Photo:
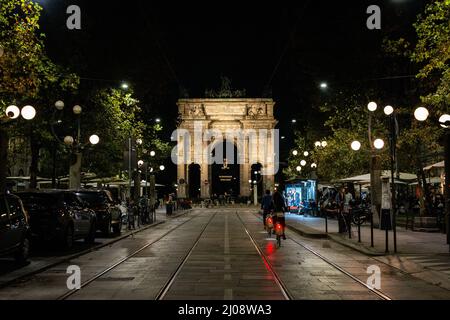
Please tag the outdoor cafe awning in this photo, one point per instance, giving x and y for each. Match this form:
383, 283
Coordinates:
440, 164
365, 178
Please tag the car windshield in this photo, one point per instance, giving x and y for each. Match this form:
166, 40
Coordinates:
38, 201
93, 198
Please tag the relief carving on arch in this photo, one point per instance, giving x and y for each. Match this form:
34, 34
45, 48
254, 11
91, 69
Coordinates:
255, 111
196, 111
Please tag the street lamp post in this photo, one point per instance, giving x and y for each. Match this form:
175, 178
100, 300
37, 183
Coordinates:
389, 111
421, 114
74, 144
12, 112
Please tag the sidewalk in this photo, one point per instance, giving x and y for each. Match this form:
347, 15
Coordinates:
408, 242
421, 254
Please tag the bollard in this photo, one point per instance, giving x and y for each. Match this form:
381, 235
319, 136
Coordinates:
349, 225
359, 228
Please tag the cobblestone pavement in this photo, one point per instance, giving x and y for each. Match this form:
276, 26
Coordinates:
222, 253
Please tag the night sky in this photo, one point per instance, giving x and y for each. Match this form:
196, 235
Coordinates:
288, 49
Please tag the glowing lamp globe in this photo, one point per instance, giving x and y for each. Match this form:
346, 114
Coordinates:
444, 120
68, 140
303, 163
372, 106
378, 144
356, 145
12, 112
421, 114
388, 110
59, 105
77, 109
94, 139
28, 112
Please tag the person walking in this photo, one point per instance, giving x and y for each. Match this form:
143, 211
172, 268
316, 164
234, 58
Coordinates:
279, 208
266, 205
131, 215
340, 200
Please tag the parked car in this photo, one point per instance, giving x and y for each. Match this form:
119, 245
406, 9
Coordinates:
108, 212
59, 216
14, 228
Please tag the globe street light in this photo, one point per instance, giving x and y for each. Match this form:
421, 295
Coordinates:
372, 106
161, 167
378, 144
356, 145
444, 121
13, 112
295, 152
421, 114
324, 144
59, 105
317, 144
68, 140
298, 168
76, 109
152, 153
303, 163
306, 153
140, 163
323, 85
94, 139
388, 110
313, 165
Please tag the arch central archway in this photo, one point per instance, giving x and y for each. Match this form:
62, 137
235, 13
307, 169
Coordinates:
225, 175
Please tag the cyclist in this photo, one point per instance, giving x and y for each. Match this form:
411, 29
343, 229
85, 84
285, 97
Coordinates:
279, 208
266, 205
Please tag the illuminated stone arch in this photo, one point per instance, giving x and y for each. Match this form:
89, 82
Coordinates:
222, 118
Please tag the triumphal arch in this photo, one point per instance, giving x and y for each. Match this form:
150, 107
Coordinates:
205, 125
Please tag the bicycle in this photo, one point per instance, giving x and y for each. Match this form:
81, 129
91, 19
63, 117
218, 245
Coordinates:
279, 231
269, 225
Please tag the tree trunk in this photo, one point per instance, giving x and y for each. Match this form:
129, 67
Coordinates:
3, 159
35, 148
75, 171
426, 192
137, 185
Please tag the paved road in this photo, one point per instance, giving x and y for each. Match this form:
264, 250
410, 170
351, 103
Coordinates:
221, 254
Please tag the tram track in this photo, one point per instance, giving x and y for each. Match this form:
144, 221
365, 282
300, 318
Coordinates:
269, 266
121, 261
162, 293
374, 291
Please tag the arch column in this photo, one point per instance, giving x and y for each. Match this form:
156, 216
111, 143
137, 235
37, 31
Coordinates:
205, 183
244, 171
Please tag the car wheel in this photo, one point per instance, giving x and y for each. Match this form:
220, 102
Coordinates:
68, 238
23, 253
90, 238
117, 228
107, 229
